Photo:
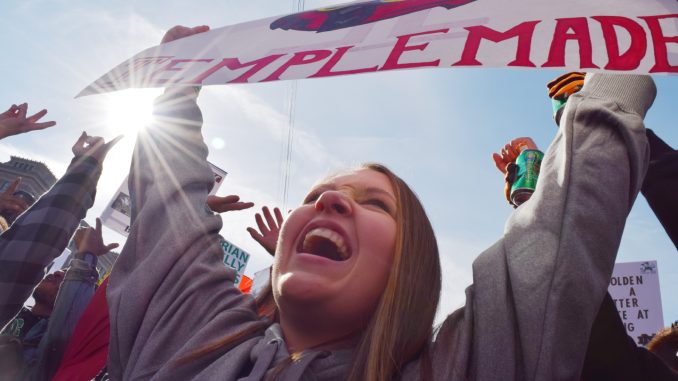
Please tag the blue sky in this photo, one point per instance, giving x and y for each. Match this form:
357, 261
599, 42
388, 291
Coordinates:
436, 128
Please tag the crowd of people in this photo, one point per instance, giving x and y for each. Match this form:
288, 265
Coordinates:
356, 278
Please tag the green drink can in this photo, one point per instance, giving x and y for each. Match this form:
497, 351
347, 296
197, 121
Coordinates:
528, 165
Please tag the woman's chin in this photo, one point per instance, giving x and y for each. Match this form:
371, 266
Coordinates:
303, 287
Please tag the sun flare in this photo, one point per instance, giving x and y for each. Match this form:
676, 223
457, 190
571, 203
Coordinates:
128, 111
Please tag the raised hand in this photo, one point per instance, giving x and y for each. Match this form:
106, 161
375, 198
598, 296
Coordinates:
566, 84
560, 90
267, 236
14, 121
181, 31
175, 33
93, 146
511, 151
91, 240
10, 204
227, 203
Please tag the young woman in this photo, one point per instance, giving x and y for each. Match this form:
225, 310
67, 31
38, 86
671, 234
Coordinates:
356, 277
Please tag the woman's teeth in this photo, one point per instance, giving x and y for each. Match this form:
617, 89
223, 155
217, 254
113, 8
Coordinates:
326, 243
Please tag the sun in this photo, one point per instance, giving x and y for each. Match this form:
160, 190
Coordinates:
129, 111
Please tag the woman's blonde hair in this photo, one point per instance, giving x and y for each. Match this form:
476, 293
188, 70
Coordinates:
401, 328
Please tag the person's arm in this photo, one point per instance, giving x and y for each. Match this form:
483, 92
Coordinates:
536, 292
660, 186
169, 293
74, 295
559, 248
42, 232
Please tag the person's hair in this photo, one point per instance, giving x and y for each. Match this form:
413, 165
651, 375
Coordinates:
665, 345
402, 325
401, 328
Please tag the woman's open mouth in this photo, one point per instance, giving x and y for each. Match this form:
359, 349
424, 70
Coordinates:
325, 242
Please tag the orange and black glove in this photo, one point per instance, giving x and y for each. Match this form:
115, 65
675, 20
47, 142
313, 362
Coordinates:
560, 90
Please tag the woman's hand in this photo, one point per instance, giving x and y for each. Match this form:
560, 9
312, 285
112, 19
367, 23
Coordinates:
91, 240
9, 202
181, 31
511, 151
14, 121
267, 236
93, 146
227, 203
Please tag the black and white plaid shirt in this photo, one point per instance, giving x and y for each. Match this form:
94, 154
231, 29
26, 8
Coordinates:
41, 234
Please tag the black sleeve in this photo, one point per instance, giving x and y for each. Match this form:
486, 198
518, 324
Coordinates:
613, 356
660, 186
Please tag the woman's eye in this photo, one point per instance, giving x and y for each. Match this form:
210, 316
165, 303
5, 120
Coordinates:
312, 197
379, 204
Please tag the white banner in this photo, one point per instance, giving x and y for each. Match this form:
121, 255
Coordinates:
604, 35
116, 215
634, 287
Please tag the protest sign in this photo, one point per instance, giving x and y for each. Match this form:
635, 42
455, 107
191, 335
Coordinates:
380, 35
116, 215
235, 258
634, 287
261, 279
245, 284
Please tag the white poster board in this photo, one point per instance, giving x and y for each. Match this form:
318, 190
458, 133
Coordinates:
634, 288
116, 215
235, 258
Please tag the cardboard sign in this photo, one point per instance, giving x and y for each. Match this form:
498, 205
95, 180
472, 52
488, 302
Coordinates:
235, 258
361, 37
634, 287
117, 215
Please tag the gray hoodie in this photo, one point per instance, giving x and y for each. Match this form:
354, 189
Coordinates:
528, 313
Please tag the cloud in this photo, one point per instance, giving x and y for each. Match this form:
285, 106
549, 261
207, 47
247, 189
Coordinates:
456, 256
254, 133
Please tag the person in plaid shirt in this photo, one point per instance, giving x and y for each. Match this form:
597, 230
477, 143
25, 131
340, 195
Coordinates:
40, 234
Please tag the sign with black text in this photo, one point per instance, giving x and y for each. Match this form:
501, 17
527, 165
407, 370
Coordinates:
634, 287
117, 215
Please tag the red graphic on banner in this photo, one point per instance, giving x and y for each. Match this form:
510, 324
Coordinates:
328, 19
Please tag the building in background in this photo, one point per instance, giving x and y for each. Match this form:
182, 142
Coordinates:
36, 178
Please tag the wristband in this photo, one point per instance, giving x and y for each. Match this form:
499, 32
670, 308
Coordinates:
88, 257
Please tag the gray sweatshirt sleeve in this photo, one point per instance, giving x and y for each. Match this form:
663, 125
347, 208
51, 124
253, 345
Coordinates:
169, 293
536, 292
